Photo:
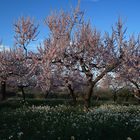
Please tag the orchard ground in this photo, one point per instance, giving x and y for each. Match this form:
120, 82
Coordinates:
52, 119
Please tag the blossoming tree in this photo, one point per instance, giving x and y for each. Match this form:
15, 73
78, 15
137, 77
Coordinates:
73, 45
26, 31
130, 70
5, 70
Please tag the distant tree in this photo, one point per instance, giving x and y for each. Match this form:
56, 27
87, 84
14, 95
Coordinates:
71, 80
115, 83
23, 71
5, 70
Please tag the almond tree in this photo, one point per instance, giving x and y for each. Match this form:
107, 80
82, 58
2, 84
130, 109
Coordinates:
5, 69
75, 46
26, 31
22, 74
130, 70
50, 53
51, 73
93, 56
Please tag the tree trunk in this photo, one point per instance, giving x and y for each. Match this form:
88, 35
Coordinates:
3, 90
89, 76
139, 92
114, 96
72, 94
47, 94
87, 98
139, 95
138, 89
23, 93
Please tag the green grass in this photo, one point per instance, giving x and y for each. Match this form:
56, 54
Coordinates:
64, 122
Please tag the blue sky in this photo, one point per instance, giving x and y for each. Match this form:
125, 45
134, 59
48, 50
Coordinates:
102, 13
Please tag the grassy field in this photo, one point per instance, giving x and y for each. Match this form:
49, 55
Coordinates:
57, 120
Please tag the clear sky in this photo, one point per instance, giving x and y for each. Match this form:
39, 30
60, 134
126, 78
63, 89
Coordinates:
102, 13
